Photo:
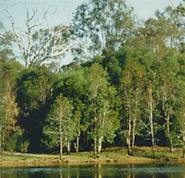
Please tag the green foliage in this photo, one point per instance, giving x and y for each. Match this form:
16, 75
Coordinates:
102, 24
104, 119
9, 70
130, 93
59, 121
34, 97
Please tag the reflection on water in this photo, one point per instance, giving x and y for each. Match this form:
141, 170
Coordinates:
98, 171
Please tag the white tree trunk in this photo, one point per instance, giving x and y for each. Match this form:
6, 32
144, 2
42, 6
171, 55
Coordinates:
100, 140
150, 105
129, 137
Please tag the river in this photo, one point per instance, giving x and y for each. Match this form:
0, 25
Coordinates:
98, 171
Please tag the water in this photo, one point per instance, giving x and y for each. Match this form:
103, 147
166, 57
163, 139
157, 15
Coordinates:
98, 171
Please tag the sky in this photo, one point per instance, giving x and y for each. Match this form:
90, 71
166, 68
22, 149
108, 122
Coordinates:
61, 11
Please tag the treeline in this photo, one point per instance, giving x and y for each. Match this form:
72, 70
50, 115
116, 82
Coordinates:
130, 91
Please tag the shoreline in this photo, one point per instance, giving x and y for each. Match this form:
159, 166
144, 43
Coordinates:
65, 162
142, 155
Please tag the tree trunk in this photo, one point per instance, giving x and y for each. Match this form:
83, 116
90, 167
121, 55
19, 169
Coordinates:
61, 143
133, 132
95, 145
129, 137
183, 139
153, 141
61, 147
100, 144
171, 145
95, 138
68, 147
77, 143
150, 104
168, 133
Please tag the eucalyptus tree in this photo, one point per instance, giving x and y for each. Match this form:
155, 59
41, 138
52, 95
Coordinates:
6, 52
150, 63
78, 123
174, 15
9, 109
131, 92
9, 69
162, 32
34, 97
102, 24
181, 115
104, 120
154, 35
59, 126
74, 85
167, 91
180, 111
37, 44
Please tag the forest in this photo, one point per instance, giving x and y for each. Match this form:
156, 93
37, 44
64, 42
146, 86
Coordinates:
124, 87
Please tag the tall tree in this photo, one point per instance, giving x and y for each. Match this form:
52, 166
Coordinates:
155, 35
102, 24
36, 44
9, 69
150, 64
131, 88
104, 117
167, 92
78, 123
181, 114
34, 97
174, 16
59, 124
9, 109
180, 110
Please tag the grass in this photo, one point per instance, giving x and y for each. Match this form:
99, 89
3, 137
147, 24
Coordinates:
111, 155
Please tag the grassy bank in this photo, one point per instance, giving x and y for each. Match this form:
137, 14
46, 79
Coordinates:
114, 155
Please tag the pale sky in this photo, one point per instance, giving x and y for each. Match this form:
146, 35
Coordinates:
61, 11
147, 8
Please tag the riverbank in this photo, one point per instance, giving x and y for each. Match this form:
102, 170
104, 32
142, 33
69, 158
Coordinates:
141, 155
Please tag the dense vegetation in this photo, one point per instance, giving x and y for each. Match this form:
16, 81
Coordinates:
125, 86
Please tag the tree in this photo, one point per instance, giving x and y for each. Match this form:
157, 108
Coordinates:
9, 109
150, 64
34, 97
6, 52
9, 69
78, 123
113, 63
38, 45
167, 91
181, 116
74, 85
104, 118
59, 123
131, 88
175, 18
102, 24
155, 35
180, 111
164, 31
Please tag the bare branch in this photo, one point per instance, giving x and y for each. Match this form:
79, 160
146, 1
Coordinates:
37, 45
